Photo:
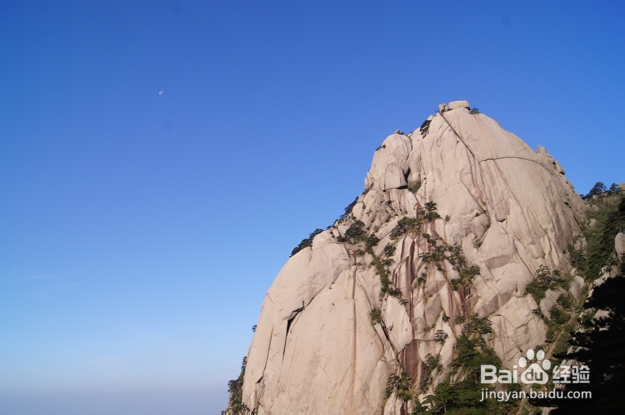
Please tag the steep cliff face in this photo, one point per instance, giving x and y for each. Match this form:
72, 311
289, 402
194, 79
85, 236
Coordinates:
456, 220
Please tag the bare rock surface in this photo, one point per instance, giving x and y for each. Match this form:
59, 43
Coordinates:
619, 245
576, 287
508, 209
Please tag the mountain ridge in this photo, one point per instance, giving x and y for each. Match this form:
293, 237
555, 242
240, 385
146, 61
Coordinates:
456, 220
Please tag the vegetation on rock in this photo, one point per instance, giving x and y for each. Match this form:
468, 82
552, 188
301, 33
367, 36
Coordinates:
414, 186
389, 250
405, 225
597, 342
376, 316
235, 388
600, 346
545, 280
350, 207
306, 242
606, 215
401, 386
441, 251
354, 234
460, 392
431, 364
425, 128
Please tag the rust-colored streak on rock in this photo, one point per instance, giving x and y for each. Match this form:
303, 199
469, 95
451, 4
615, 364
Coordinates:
464, 294
411, 362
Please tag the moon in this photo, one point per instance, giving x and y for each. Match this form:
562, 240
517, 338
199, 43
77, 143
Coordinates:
161, 92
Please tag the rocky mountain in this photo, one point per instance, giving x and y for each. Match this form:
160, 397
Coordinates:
456, 245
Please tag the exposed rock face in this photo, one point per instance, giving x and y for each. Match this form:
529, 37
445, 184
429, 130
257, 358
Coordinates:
508, 208
619, 245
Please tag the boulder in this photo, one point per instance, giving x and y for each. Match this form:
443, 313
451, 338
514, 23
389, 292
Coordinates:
454, 105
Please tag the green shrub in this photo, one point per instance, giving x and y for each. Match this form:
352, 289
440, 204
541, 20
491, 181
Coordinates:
372, 241
610, 219
408, 224
440, 336
558, 316
401, 385
561, 346
436, 255
431, 363
545, 280
577, 257
478, 326
349, 209
405, 225
536, 291
381, 267
235, 388
463, 395
430, 212
597, 190
389, 250
425, 128
564, 301
376, 316
414, 186
587, 319
467, 274
608, 212
355, 233
306, 242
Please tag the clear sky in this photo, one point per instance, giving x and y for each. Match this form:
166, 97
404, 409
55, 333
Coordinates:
140, 230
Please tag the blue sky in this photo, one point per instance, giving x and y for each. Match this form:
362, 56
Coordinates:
141, 231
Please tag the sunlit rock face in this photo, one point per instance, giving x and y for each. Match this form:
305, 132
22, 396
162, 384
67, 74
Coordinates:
508, 209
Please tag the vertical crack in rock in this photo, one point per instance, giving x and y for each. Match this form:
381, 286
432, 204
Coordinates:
266, 358
289, 322
354, 388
